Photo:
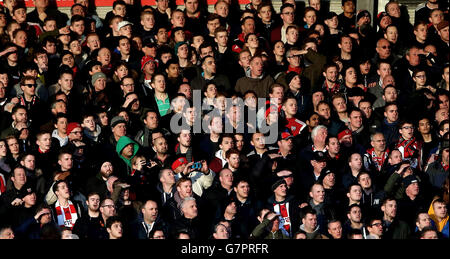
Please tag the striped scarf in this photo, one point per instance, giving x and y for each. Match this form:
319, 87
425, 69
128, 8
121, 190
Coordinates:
66, 216
2, 184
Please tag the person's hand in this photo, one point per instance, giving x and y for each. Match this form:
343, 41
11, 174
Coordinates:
127, 102
78, 143
123, 185
402, 168
304, 204
40, 213
152, 164
274, 155
8, 50
188, 169
169, 13
271, 216
17, 202
64, 30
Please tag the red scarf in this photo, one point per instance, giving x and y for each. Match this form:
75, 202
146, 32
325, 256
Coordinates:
334, 89
411, 147
297, 70
295, 126
283, 210
2, 184
66, 216
378, 161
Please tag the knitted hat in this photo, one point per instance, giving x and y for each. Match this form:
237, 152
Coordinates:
97, 76
277, 182
178, 162
71, 126
290, 76
116, 120
344, 133
146, 59
26, 190
178, 45
410, 179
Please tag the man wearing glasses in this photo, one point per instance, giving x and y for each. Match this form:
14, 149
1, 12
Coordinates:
287, 14
30, 100
374, 227
408, 145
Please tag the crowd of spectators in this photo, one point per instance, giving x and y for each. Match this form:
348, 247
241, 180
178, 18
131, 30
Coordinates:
148, 123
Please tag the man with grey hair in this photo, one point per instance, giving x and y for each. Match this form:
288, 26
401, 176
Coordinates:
318, 136
190, 221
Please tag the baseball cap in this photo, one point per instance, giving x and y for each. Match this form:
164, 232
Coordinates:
116, 120
123, 24
319, 156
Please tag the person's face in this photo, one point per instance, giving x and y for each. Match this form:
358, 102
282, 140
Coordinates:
315, 4
391, 34
75, 47
441, 114
239, 142
413, 189
413, 57
168, 177
116, 230
150, 211
256, 67
292, 35
335, 230
310, 18
366, 108
384, 70
21, 39
248, 26
65, 162
221, 232
310, 222
29, 162
211, 91
279, 49
348, 7
317, 193
443, 102
444, 33
390, 208
430, 235
29, 87
7, 234
106, 169
332, 23
421, 32
226, 178
376, 227
162, 5
391, 113
227, 144
161, 145
104, 56
78, 27
185, 189
63, 190
340, 105
244, 59
183, 51
252, 41
44, 142
212, 25
68, 60
191, 6
436, 17
331, 74
66, 82
124, 46
265, 14
407, 131
393, 9
379, 142
290, 107
424, 126
258, 141
190, 209
185, 138
61, 124
281, 190
173, 70
355, 193
151, 121
20, 116
383, 48
93, 202
209, 66
242, 190
178, 19
351, 76
440, 210
159, 83
127, 86
20, 15
356, 161
356, 119
148, 21
288, 15
365, 181
355, 215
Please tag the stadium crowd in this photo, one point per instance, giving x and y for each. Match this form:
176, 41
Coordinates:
154, 122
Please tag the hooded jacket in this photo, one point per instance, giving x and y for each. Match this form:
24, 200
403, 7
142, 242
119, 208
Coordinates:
121, 144
314, 235
441, 226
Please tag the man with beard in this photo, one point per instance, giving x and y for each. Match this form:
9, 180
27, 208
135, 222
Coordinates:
97, 183
209, 75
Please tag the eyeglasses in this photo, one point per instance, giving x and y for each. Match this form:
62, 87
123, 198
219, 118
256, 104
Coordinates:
76, 132
385, 47
408, 127
109, 206
30, 85
377, 224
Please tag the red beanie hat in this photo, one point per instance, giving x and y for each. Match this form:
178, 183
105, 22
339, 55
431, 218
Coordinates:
71, 126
